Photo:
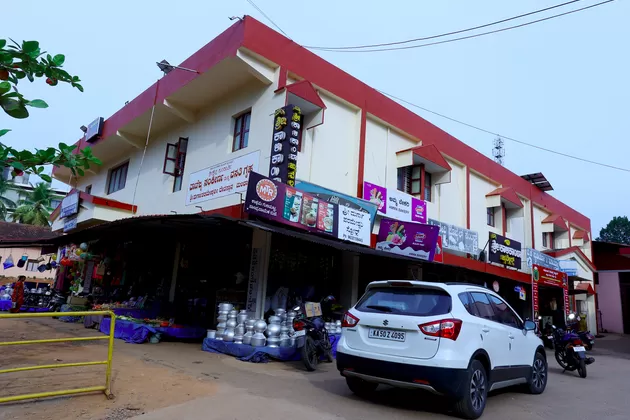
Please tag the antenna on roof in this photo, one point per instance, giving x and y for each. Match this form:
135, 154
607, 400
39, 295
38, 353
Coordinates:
498, 152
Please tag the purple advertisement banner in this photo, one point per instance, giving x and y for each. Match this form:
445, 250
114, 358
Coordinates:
290, 206
395, 204
410, 239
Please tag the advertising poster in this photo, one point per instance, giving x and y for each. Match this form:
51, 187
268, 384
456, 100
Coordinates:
410, 239
439, 252
287, 134
504, 251
456, 238
540, 258
395, 204
293, 207
225, 178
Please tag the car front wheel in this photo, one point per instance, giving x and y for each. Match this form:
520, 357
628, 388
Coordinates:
472, 404
538, 381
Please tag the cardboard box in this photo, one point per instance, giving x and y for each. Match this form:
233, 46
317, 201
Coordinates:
312, 309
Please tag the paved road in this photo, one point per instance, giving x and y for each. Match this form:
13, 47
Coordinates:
278, 391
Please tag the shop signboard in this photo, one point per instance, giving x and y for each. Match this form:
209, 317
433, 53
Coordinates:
330, 196
439, 252
548, 277
504, 251
541, 259
535, 298
225, 178
456, 238
414, 240
287, 133
287, 205
69, 223
395, 204
570, 267
69, 205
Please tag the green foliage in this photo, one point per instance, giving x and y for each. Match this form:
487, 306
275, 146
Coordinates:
5, 203
617, 230
27, 61
36, 208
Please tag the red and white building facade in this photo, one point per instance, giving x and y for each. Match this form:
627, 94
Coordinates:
353, 134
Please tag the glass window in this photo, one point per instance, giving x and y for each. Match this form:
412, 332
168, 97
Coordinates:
407, 301
31, 265
180, 163
490, 216
88, 189
545, 243
484, 308
241, 131
117, 178
427, 186
504, 313
468, 303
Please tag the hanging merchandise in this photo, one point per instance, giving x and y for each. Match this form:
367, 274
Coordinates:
41, 268
100, 270
83, 246
8, 263
22, 262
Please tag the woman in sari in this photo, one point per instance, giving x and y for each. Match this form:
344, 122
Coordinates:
18, 294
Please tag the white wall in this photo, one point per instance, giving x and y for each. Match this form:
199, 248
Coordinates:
609, 301
479, 187
539, 216
451, 197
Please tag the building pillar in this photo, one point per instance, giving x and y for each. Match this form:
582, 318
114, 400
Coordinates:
349, 279
258, 271
171, 294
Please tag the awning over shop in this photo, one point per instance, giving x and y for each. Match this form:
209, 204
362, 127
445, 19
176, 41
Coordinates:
505, 196
432, 159
554, 223
582, 288
21, 235
304, 95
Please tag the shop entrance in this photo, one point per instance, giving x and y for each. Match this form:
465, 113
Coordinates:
551, 306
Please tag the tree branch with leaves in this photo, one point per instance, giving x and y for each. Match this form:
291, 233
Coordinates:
26, 61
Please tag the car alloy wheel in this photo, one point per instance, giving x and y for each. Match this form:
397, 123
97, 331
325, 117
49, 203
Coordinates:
539, 373
478, 390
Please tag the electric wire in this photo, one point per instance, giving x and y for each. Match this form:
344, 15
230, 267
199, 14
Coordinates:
268, 18
444, 34
472, 36
505, 137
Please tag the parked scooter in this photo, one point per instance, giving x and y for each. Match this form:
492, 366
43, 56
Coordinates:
570, 352
57, 300
311, 337
587, 338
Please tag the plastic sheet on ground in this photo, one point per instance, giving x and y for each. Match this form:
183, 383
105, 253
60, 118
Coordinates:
71, 308
134, 332
248, 353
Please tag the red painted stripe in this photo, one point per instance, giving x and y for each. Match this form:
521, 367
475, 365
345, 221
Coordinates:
486, 268
467, 197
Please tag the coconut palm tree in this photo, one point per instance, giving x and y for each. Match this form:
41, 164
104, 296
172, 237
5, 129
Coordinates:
5, 203
35, 209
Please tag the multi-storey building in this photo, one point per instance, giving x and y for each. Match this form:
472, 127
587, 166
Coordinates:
223, 110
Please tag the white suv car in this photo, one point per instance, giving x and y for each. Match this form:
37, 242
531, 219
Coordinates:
456, 340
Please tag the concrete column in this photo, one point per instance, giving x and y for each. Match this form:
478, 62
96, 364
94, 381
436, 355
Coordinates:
258, 271
349, 279
171, 295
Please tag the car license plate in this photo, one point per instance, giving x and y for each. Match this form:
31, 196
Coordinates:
579, 348
550, 337
391, 335
299, 333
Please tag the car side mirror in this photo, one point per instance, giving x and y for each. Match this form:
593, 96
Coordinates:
529, 326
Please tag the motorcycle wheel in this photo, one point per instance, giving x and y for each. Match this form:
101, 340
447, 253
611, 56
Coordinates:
588, 346
309, 354
561, 361
582, 368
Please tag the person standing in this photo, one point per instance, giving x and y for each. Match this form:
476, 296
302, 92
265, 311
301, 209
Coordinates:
18, 295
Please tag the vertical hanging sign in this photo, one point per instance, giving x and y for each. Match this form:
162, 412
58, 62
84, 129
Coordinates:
287, 132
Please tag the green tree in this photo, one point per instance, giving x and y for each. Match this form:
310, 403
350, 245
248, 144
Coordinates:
35, 209
5, 203
617, 230
27, 61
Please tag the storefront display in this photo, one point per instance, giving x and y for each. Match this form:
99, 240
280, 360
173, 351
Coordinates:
550, 296
414, 240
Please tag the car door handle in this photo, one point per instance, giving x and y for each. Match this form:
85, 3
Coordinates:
485, 329
510, 336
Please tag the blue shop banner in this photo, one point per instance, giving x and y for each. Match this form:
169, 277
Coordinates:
335, 197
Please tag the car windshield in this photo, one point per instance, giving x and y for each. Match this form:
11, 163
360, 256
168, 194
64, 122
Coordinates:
406, 301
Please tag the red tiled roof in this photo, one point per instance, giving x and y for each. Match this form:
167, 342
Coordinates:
557, 220
580, 234
508, 194
17, 232
560, 252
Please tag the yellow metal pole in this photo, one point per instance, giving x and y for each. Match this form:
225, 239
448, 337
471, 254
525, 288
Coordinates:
51, 340
59, 365
51, 394
52, 314
110, 353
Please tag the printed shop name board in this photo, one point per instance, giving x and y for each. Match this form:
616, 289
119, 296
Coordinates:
504, 251
541, 259
549, 277
395, 204
225, 178
456, 238
287, 205
414, 240
287, 133
69, 205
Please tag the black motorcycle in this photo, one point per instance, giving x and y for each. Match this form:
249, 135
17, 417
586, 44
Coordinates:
311, 337
570, 352
57, 300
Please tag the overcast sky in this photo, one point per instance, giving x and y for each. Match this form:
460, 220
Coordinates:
560, 84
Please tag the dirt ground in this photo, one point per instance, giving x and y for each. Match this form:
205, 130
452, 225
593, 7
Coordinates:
138, 385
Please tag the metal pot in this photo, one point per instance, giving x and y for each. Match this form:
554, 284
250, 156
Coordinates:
273, 330
225, 307
242, 317
228, 335
231, 323
260, 326
212, 334
273, 319
233, 313
258, 341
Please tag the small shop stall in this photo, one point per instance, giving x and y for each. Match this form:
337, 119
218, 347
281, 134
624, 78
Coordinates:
550, 296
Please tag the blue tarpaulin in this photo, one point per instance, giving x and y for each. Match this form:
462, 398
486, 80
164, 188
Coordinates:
248, 353
134, 332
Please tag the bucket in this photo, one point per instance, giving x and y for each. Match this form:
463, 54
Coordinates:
212, 334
